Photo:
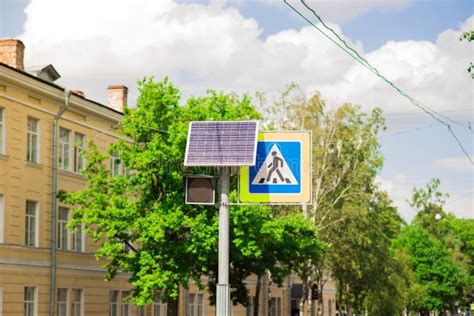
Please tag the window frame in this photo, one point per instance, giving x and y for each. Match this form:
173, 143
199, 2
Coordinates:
200, 304
64, 155
190, 304
116, 168
125, 306
160, 308
77, 236
75, 303
192, 308
64, 303
35, 218
78, 160
274, 306
113, 304
34, 303
62, 230
30, 134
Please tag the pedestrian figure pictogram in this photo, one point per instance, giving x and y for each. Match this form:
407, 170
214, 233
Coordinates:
274, 170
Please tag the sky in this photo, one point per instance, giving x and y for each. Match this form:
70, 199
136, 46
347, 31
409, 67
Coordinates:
248, 46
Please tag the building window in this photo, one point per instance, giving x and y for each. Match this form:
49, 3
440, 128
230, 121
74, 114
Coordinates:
62, 302
159, 307
191, 300
76, 304
64, 149
195, 305
274, 306
2, 131
32, 142
79, 161
63, 217
77, 239
30, 223
125, 304
30, 301
115, 165
2, 218
113, 302
68, 240
200, 304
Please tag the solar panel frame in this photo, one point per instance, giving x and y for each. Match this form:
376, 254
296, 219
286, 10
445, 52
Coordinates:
235, 142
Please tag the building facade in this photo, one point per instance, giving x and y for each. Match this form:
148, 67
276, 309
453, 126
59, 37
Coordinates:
45, 268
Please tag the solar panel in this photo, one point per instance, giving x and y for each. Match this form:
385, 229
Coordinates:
230, 143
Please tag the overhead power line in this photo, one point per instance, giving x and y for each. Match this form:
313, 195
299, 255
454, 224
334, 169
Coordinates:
354, 54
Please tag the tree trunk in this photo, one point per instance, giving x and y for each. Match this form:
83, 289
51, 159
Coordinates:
257, 296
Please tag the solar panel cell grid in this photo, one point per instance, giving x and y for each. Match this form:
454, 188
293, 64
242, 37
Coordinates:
221, 143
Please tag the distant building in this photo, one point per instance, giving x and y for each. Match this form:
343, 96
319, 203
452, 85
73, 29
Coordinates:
36, 265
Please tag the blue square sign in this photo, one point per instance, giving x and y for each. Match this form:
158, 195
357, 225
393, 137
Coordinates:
282, 173
277, 168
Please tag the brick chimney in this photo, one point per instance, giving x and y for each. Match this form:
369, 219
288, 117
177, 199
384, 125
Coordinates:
11, 52
117, 97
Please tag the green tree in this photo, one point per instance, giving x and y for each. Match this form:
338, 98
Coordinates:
438, 279
171, 242
346, 158
369, 274
456, 234
263, 244
143, 209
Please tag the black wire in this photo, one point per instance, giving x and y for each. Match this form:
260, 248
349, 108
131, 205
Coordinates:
372, 69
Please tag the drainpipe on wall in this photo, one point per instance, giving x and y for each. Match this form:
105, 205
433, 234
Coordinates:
54, 193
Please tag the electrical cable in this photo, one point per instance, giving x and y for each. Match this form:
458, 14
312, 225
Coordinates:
353, 53
375, 70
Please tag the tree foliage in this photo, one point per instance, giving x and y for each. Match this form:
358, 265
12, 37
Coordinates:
469, 36
143, 209
437, 278
352, 216
435, 250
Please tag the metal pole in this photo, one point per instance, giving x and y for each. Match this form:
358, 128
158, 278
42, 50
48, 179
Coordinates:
54, 192
222, 291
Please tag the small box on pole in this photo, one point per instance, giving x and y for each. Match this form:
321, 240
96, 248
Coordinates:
200, 189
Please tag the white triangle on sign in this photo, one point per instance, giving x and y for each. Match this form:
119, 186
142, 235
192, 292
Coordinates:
274, 170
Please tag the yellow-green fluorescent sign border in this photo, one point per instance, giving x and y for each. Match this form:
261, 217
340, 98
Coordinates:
303, 195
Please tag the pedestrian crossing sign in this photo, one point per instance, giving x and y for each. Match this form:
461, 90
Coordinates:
282, 172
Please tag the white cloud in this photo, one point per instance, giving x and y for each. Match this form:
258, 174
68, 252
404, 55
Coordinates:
400, 189
340, 11
97, 43
461, 203
461, 164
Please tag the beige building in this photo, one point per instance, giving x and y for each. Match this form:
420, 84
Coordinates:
44, 268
